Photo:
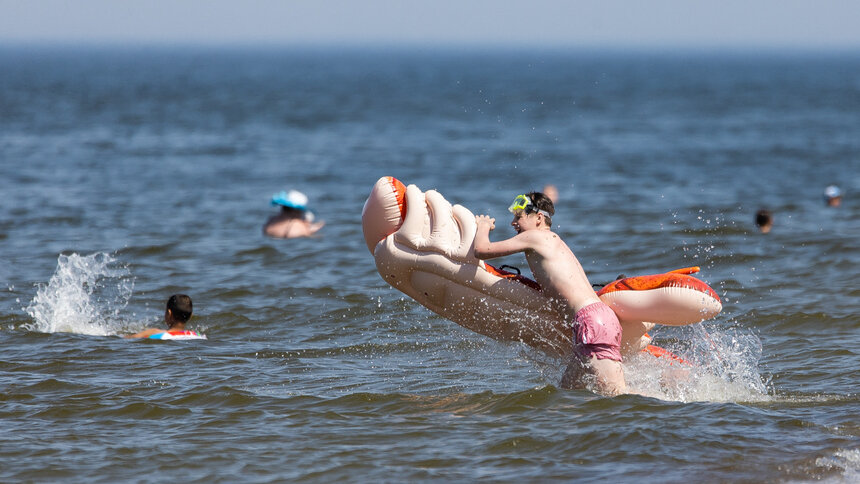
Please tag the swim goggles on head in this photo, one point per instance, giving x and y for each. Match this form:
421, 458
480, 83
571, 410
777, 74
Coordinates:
523, 203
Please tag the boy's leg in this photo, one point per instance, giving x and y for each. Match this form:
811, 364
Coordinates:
575, 375
603, 376
633, 337
596, 362
608, 377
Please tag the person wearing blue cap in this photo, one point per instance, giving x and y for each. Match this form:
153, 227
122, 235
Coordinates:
294, 219
832, 196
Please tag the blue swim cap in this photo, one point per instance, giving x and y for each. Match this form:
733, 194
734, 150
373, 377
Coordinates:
832, 191
294, 199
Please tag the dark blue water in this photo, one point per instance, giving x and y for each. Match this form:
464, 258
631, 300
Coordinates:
131, 174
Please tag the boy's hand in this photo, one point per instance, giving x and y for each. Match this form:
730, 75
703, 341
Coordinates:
485, 220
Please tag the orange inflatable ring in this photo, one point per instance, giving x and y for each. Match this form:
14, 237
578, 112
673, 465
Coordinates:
423, 246
673, 298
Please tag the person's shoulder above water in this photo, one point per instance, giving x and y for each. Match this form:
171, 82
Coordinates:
177, 313
294, 220
289, 226
551, 192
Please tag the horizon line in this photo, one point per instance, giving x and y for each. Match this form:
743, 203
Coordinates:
384, 45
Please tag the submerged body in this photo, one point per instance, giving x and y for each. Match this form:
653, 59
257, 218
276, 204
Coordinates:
289, 226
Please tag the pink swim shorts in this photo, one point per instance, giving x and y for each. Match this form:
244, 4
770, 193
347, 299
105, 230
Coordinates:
597, 332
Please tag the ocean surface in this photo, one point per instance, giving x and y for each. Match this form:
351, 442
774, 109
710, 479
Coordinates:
130, 174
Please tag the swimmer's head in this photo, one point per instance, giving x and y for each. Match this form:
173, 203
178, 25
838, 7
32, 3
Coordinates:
832, 195
534, 202
179, 310
764, 220
551, 192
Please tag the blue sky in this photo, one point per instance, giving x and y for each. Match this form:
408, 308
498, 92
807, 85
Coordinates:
822, 24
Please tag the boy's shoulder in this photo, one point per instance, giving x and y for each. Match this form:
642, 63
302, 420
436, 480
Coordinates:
539, 238
540, 234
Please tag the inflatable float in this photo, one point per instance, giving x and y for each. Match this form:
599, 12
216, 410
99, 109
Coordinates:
178, 335
423, 246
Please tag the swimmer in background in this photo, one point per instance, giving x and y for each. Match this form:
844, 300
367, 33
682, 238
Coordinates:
596, 361
551, 192
178, 312
764, 220
832, 196
294, 219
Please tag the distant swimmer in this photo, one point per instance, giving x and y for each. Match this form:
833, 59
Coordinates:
764, 220
294, 219
551, 192
833, 196
178, 313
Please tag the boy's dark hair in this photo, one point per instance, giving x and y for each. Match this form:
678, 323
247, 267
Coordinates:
763, 217
542, 202
180, 307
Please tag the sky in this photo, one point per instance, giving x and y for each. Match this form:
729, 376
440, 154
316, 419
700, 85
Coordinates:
805, 24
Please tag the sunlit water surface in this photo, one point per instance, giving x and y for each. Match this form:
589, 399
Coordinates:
130, 175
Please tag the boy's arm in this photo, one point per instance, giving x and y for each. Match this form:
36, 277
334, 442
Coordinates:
484, 249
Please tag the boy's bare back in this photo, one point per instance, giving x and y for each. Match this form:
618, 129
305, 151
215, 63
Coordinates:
558, 271
553, 264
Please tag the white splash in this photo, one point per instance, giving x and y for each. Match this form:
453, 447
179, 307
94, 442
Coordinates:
847, 461
721, 366
84, 296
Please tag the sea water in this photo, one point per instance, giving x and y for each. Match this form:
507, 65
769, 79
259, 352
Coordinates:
130, 174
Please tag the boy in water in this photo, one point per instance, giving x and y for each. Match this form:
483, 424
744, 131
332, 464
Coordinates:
178, 313
596, 362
